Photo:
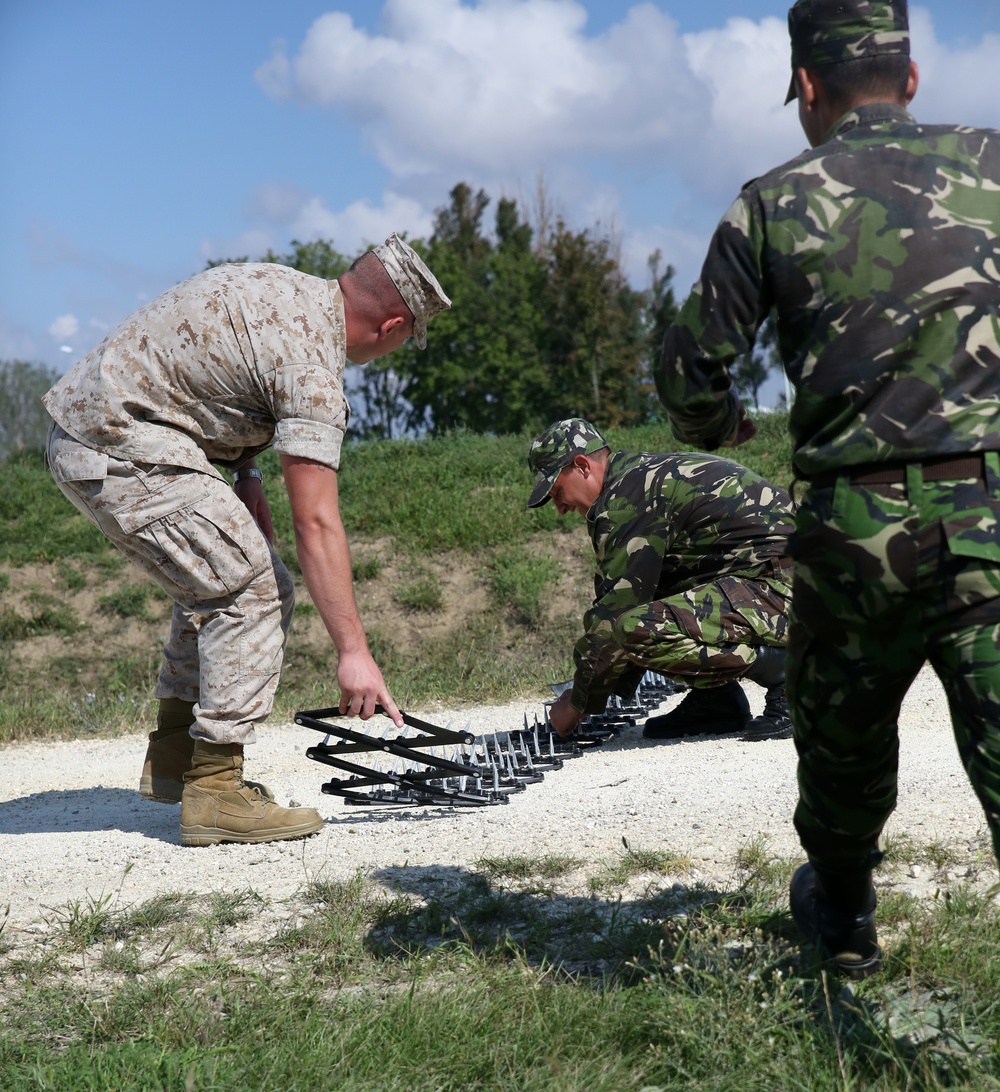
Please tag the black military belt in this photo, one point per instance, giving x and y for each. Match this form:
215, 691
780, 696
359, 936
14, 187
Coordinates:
939, 468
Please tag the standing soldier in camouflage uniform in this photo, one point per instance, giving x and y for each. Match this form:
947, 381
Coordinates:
692, 581
878, 250
212, 372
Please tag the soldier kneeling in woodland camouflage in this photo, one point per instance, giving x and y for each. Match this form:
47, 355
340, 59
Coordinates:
692, 581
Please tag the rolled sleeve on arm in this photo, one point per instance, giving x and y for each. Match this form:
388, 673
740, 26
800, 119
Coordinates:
311, 412
310, 440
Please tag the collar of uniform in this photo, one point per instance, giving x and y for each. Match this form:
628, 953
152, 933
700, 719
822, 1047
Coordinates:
872, 113
596, 508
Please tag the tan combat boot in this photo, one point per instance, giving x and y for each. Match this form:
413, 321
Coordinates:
217, 806
168, 754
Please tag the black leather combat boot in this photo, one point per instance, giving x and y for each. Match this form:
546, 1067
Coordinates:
839, 914
717, 711
768, 670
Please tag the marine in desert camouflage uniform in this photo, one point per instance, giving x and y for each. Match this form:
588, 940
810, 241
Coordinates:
879, 251
692, 580
232, 361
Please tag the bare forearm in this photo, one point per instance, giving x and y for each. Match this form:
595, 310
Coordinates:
325, 558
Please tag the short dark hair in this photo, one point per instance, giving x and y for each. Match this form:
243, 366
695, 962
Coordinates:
368, 275
883, 77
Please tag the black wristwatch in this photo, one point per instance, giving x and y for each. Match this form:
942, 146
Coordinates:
250, 472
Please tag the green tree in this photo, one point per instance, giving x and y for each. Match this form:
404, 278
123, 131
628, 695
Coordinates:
540, 327
597, 341
483, 369
23, 420
318, 258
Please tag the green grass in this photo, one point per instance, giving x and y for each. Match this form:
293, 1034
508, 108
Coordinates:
127, 601
522, 584
465, 985
46, 615
460, 497
366, 568
423, 592
42, 525
70, 577
461, 492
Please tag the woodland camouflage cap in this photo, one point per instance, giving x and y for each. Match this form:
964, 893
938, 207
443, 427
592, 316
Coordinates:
416, 283
831, 31
555, 449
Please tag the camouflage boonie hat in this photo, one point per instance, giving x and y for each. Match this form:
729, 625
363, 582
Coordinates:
416, 283
555, 449
831, 31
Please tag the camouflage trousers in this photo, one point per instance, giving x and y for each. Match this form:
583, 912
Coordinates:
888, 577
233, 597
704, 636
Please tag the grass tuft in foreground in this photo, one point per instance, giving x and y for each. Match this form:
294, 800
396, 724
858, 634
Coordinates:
454, 980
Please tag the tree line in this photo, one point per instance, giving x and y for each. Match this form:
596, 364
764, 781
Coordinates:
544, 324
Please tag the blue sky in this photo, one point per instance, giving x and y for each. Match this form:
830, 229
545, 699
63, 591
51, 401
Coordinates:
142, 139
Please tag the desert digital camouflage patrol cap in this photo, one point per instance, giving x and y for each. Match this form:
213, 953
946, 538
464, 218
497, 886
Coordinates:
555, 449
416, 283
831, 31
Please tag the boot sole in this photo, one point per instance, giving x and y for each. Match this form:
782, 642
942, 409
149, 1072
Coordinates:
213, 836
759, 737
695, 732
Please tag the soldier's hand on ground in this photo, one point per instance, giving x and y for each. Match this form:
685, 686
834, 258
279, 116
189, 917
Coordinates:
362, 688
563, 717
251, 492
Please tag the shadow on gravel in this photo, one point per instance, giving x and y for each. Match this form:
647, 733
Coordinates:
96, 808
583, 935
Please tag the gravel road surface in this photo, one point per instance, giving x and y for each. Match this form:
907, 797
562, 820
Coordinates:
73, 828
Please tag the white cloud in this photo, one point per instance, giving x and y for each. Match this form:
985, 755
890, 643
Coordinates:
361, 223
494, 92
307, 218
502, 87
747, 68
498, 85
65, 327
957, 85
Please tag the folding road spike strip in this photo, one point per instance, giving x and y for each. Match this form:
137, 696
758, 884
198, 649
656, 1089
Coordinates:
424, 764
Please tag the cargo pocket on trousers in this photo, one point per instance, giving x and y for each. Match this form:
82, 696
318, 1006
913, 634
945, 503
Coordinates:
974, 529
78, 464
206, 550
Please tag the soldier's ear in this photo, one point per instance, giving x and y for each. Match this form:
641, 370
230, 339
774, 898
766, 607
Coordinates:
912, 83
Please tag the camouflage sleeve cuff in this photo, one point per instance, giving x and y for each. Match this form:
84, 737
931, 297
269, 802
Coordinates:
692, 431
309, 440
588, 700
